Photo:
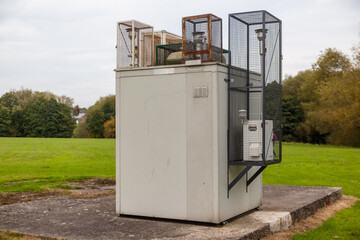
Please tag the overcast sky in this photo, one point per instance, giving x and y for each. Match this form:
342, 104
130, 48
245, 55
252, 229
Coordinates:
68, 46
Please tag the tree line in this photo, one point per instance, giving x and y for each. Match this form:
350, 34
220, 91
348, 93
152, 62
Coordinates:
25, 113
322, 104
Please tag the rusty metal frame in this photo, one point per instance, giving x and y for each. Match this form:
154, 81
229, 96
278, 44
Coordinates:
209, 49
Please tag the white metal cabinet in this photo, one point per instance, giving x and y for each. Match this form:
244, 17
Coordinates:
171, 145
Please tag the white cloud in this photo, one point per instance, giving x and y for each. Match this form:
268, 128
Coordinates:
17, 30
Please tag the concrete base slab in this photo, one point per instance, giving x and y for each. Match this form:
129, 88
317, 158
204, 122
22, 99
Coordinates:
63, 217
300, 201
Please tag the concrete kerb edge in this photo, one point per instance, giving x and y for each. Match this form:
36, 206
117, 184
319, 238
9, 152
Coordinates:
258, 233
311, 208
294, 216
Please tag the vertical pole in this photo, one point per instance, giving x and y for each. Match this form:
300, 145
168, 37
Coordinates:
248, 73
152, 47
183, 41
247, 87
117, 45
210, 38
163, 37
228, 106
132, 44
221, 42
138, 48
262, 62
280, 82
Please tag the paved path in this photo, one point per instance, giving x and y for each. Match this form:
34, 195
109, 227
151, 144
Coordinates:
95, 218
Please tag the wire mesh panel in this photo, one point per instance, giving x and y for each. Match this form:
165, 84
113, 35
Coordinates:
237, 100
135, 44
255, 47
168, 54
202, 38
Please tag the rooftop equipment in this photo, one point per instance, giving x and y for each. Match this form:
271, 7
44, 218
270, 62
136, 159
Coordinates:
202, 38
135, 44
168, 54
165, 44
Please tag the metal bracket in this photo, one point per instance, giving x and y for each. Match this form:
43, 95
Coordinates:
255, 175
237, 179
243, 173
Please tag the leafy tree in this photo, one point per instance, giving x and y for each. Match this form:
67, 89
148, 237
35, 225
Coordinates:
65, 122
338, 112
109, 107
22, 107
80, 131
109, 128
65, 100
98, 114
330, 91
272, 100
48, 118
293, 116
292, 86
322, 105
5, 121
95, 123
331, 63
17, 103
60, 99
9, 100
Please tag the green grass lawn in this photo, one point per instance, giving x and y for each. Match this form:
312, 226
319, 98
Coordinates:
317, 165
321, 165
35, 164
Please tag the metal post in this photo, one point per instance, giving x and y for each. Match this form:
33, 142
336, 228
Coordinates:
228, 112
117, 45
183, 41
280, 82
132, 44
263, 87
248, 73
210, 39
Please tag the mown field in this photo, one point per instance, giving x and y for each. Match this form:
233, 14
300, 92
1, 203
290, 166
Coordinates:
35, 164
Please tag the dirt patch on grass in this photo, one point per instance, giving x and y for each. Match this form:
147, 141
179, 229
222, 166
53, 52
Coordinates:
89, 188
7, 235
315, 220
93, 188
9, 198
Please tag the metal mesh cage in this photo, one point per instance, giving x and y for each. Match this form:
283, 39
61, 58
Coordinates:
168, 54
255, 52
135, 44
202, 38
167, 44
